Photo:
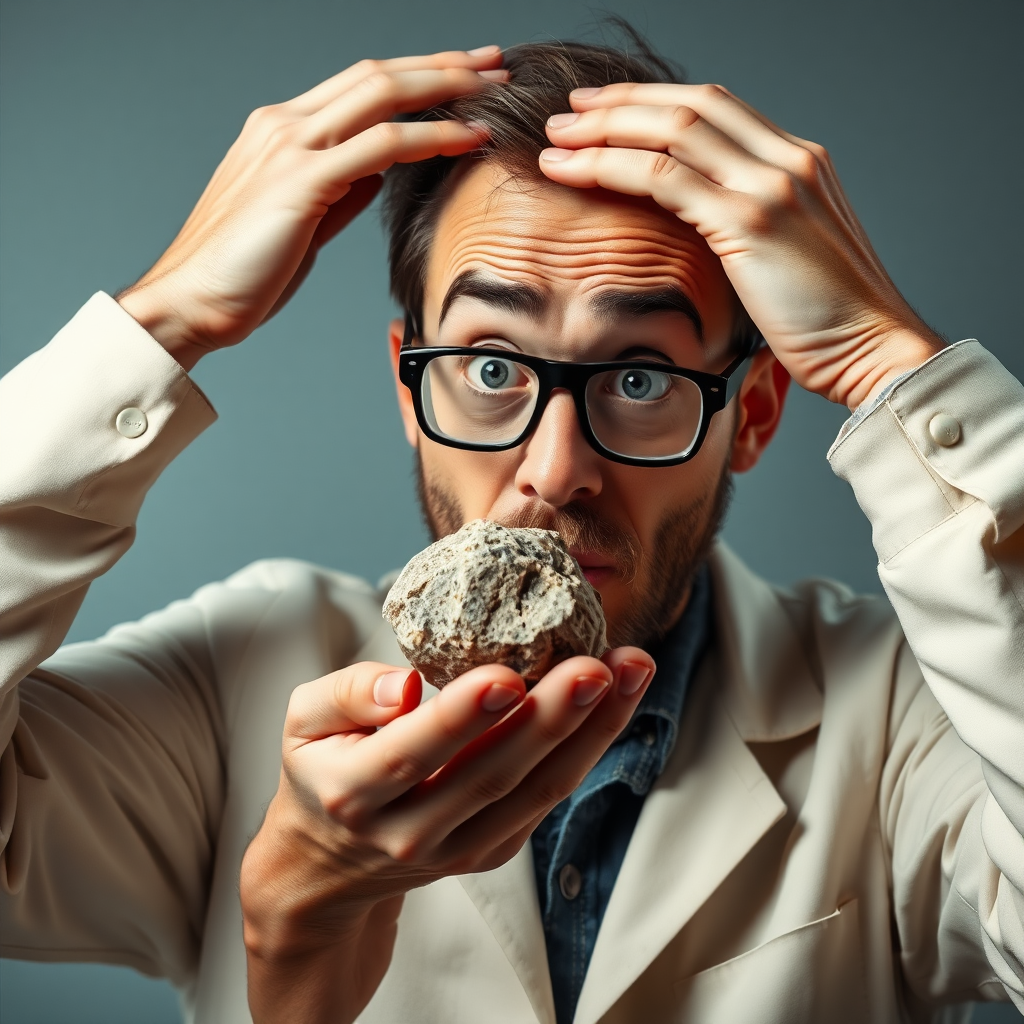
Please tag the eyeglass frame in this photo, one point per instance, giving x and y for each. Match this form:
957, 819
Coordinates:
717, 391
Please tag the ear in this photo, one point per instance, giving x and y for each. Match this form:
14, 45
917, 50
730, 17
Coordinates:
396, 332
760, 402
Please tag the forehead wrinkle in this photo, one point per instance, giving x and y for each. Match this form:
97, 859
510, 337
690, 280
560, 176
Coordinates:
575, 267
633, 257
576, 253
549, 273
521, 235
570, 244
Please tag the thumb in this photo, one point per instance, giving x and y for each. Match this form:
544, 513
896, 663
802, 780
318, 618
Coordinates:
358, 698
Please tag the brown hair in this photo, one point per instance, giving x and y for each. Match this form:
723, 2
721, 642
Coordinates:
541, 76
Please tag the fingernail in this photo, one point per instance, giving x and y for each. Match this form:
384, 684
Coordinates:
483, 51
479, 127
587, 690
555, 156
561, 120
387, 691
584, 94
498, 697
632, 677
498, 75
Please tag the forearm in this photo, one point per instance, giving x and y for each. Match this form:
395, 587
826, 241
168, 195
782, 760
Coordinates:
71, 480
947, 511
71, 485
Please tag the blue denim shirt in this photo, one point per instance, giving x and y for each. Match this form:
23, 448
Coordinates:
578, 848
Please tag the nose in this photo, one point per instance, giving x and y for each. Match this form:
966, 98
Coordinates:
558, 465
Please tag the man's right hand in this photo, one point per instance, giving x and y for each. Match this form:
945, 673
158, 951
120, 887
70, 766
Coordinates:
380, 794
297, 174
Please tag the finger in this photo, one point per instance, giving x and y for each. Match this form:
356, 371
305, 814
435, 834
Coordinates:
677, 130
681, 190
768, 122
488, 769
489, 58
638, 665
387, 764
380, 97
821, 170
555, 777
376, 149
806, 160
362, 696
714, 104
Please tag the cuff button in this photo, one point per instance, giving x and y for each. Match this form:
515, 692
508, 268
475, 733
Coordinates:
945, 430
131, 422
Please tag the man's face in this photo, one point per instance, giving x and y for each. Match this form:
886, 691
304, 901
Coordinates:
558, 273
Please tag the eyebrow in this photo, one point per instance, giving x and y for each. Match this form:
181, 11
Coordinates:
513, 298
524, 299
641, 303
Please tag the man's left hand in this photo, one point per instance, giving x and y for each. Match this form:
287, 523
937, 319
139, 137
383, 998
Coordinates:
770, 206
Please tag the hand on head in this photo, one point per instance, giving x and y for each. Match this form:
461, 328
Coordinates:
297, 174
770, 206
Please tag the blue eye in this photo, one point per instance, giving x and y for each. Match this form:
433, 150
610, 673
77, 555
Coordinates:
492, 374
641, 385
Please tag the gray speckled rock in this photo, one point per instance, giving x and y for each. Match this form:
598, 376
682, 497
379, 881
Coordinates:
490, 594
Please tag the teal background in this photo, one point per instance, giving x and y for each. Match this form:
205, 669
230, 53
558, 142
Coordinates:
114, 114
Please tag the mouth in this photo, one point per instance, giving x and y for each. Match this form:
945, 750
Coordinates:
597, 567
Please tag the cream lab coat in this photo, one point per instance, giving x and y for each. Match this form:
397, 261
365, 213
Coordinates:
837, 836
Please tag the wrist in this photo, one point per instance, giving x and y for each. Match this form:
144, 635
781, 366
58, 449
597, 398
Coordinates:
891, 355
293, 889
315, 951
159, 316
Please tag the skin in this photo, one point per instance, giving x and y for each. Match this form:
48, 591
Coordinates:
379, 793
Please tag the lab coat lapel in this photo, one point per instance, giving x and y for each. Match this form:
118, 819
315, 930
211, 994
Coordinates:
708, 809
507, 899
713, 802
769, 687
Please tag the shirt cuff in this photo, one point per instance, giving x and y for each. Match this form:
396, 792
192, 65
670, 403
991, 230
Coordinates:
64, 446
907, 469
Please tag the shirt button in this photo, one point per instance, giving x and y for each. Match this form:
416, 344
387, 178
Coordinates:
945, 430
570, 881
131, 422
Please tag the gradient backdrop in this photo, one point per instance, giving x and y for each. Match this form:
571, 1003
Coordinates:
114, 114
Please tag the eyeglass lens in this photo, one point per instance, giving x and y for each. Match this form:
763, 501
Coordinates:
487, 399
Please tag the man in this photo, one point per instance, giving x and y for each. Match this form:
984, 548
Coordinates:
811, 812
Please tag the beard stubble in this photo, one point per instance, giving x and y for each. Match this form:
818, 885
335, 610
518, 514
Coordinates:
659, 580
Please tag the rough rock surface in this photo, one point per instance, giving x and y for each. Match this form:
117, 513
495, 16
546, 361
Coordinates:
493, 594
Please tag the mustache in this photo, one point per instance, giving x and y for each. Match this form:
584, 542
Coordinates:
584, 529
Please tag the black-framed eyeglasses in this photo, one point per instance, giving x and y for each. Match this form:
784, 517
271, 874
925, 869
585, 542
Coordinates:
637, 412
